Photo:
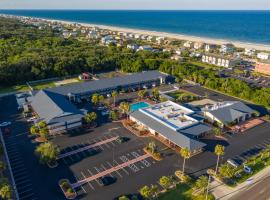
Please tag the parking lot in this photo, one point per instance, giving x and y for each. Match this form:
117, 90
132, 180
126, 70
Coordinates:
96, 151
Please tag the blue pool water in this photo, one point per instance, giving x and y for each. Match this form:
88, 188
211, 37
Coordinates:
139, 105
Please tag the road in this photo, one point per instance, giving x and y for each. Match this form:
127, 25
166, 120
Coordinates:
258, 191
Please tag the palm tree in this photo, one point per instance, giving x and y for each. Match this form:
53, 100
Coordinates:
90, 117
114, 94
47, 152
152, 147
217, 131
95, 99
125, 107
185, 153
100, 98
219, 150
202, 183
155, 93
142, 93
34, 130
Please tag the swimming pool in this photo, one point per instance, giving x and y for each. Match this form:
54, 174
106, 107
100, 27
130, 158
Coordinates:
139, 105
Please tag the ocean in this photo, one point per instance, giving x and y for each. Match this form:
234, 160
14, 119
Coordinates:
242, 26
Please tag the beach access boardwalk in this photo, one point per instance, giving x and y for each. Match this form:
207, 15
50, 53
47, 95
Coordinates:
108, 171
87, 147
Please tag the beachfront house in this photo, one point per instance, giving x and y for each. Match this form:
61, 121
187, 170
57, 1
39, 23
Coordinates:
263, 56
209, 47
249, 52
198, 45
188, 44
221, 60
226, 48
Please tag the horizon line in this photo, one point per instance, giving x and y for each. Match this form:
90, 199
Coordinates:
82, 9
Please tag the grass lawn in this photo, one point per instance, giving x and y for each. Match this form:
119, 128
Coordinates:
44, 85
23, 88
17, 88
183, 97
183, 192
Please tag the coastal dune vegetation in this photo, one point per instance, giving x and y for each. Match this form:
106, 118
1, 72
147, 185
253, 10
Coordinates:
28, 53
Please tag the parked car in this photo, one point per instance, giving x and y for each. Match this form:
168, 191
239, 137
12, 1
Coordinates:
106, 180
31, 119
233, 163
4, 124
122, 139
105, 112
247, 169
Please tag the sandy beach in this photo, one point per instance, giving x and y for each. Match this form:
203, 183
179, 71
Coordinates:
256, 46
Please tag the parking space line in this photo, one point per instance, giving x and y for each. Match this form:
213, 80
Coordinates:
122, 168
30, 189
81, 185
27, 196
115, 171
90, 185
92, 175
22, 182
106, 169
96, 141
24, 186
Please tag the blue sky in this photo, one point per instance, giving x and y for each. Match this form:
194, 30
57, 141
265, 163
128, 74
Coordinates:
137, 4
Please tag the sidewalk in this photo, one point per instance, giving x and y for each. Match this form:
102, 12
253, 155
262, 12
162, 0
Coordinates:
224, 192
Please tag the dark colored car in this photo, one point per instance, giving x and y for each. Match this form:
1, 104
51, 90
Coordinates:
122, 139
106, 180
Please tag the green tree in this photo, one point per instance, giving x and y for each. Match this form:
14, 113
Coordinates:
217, 131
202, 183
34, 130
114, 95
90, 117
145, 192
165, 181
219, 151
125, 107
44, 133
185, 153
42, 124
47, 152
155, 93
152, 146
142, 93
226, 171
100, 98
95, 99
6, 192
114, 115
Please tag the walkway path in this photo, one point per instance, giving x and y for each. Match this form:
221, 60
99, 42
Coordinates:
108, 171
87, 147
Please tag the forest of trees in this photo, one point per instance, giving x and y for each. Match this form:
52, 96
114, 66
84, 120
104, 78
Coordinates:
27, 53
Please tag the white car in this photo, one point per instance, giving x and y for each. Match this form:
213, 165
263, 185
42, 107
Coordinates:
31, 119
247, 169
232, 163
4, 124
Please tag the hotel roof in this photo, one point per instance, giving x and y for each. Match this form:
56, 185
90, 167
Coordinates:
228, 111
175, 122
108, 83
177, 138
171, 114
54, 108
